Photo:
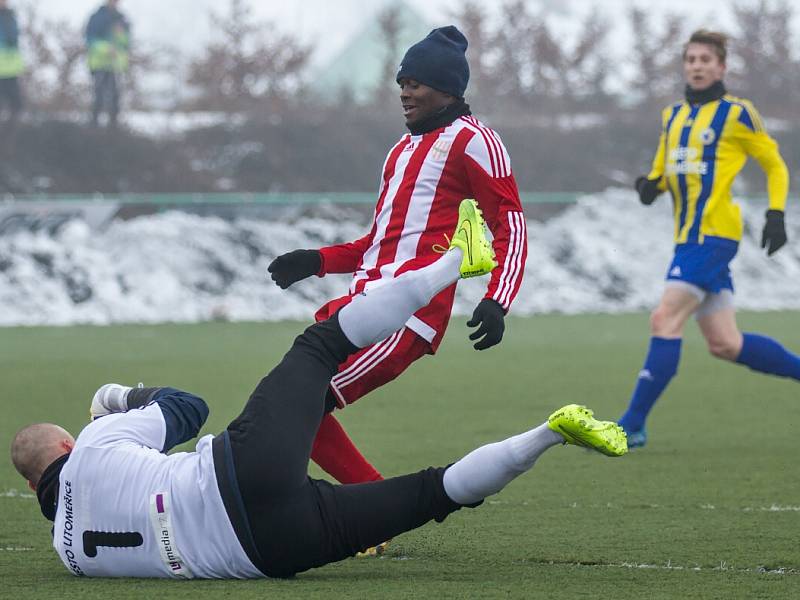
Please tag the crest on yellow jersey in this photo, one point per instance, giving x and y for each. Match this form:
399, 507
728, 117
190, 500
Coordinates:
707, 136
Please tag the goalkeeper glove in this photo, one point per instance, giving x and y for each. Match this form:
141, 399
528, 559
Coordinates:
115, 398
108, 399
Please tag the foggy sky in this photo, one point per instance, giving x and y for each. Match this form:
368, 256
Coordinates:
185, 23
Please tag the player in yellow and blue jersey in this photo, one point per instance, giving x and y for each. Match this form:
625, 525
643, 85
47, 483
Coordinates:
705, 141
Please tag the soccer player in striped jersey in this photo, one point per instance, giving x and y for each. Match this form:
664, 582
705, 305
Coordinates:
448, 155
242, 504
705, 141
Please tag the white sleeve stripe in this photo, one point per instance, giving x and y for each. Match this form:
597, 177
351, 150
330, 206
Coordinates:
498, 150
490, 150
519, 267
503, 154
512, 245
516, 259
386, 348
513, 262
487, 133
476, 129
497, 153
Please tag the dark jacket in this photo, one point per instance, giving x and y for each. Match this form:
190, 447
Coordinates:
9, 32
101, 24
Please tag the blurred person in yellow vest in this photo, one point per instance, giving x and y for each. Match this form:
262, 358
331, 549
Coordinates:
11, 65
107, 45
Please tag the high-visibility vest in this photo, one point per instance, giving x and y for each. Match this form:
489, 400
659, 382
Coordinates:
110, 55
11, 64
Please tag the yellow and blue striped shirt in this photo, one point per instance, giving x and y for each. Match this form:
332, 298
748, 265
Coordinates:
701, 150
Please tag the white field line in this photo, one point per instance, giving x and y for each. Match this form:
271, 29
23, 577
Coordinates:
707, 506
15, 549
774, 508
16, 494
723, 566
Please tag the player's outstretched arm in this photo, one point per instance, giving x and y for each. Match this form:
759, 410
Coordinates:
295, 266
495, 188
183, 414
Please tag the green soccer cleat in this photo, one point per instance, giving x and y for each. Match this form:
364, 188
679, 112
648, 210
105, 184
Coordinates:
579, 427
470, 236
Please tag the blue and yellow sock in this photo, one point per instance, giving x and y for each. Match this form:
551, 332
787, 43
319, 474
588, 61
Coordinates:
766, 355
659, 368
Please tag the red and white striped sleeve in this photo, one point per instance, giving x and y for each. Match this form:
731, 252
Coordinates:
488, 168
343, 258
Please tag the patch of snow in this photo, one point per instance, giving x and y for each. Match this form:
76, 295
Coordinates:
605, 254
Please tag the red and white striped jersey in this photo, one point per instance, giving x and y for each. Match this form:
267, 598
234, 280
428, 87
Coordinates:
425, 177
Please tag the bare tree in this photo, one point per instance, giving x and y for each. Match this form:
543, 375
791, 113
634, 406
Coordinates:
513, 42
473, 19
769, 73
559, 77
588, 63
390, 26
54, 50
248, 63
656, 57
144, 62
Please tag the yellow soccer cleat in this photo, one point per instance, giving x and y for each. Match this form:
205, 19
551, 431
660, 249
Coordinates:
374, 550
470, 236
579, 427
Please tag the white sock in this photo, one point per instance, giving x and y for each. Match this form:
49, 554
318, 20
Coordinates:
375, 315
490, 468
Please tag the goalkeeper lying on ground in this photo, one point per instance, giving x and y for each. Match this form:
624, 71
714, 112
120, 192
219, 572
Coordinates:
242, 505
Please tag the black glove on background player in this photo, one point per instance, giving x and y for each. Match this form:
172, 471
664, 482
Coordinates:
491, 318
774, 235
648, 190
293, 266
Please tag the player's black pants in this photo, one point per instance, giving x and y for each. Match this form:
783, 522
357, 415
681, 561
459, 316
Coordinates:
286, 521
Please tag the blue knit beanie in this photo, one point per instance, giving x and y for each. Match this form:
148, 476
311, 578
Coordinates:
438, 61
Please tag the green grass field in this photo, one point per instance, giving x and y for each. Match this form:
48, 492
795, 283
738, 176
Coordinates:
709, 509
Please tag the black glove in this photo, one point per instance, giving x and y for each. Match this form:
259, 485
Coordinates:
648, 190
293, 266
490, 316
774, 235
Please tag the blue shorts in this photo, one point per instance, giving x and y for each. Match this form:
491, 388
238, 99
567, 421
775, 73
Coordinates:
704, 265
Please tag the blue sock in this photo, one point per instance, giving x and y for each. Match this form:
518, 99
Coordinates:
762, 353
660, 366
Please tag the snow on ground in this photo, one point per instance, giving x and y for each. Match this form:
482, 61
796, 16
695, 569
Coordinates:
160, 124
604, 254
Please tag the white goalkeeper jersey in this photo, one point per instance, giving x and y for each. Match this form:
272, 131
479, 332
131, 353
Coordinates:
127, 510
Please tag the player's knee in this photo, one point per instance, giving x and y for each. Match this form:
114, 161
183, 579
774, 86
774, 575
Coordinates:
724, 348
662, 322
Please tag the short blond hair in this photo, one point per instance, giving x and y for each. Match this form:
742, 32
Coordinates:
718, 41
